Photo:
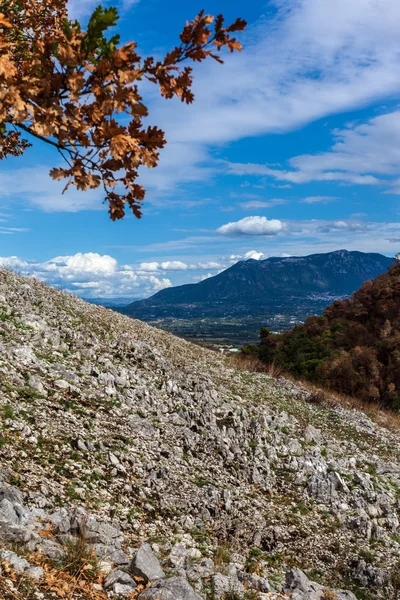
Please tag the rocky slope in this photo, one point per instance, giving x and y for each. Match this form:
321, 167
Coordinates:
185, 478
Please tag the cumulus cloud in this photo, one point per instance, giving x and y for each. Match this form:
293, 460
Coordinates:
81, 264
149, 266
252, 226
12, 262
173, 265
176, 265
90, 275
254, 255
233, 258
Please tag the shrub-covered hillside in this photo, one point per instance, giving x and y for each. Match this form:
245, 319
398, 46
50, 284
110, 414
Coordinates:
354, 348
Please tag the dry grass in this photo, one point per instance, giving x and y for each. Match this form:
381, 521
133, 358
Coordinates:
222, 555
376, 412
329, 595
246, 362
80, 560
74, 579
15, 588
320, 395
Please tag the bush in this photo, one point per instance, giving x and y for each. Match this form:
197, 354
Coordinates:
353, 348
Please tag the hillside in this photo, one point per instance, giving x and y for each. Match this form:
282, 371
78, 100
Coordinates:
354, 348
253, 283
134, 464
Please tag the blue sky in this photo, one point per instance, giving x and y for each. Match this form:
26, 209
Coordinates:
291, 147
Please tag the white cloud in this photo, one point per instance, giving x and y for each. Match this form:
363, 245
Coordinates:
348, 225
33, 184
12, 262
12, 230
90, 275
149, 266
82, 264
362, 153
158, 284
300, 176
173, 265
318, 199
252, 226
233, 258
176, 265
254, 255
255, 204
328, 57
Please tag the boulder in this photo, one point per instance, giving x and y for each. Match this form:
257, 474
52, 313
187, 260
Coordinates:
145, 564
175, 588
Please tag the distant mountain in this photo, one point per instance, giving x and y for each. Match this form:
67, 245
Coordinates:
250, 285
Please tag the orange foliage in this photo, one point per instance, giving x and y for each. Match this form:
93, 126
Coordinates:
67, 87
354, 348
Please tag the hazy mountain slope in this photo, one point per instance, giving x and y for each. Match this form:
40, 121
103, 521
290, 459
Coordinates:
235, 478
264, 282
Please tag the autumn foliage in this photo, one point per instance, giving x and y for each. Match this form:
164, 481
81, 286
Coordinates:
69, 87
354, 348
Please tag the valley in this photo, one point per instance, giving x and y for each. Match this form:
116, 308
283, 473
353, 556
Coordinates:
278, 293
238, 329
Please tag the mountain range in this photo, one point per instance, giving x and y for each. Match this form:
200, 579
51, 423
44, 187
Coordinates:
249, 287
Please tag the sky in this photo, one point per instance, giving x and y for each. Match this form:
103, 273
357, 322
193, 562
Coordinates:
291, 147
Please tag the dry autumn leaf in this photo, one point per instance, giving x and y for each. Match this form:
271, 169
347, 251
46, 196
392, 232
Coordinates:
66, 87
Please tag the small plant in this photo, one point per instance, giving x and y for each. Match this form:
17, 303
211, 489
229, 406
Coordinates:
200, 482
302, 508
223, 555
367, 555
15, 479
80, 560
8, 412
252, 563
71, 492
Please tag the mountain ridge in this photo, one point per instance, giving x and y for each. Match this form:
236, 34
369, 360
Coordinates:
249, 280
276, 293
